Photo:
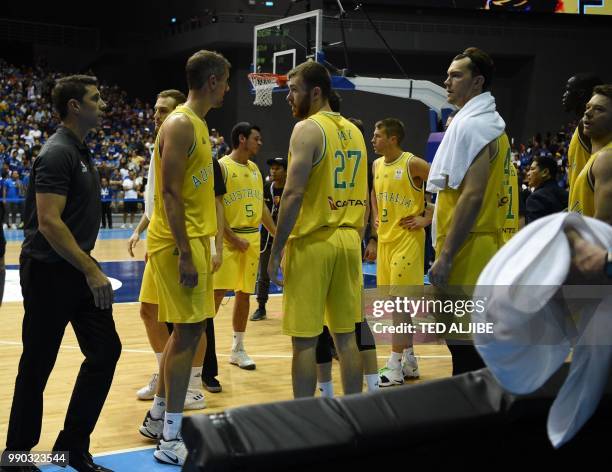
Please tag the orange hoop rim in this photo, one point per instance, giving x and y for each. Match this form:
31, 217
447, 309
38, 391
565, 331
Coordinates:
281, 80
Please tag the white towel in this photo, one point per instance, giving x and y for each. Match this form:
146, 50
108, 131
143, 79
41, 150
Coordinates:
472, 128
534, 332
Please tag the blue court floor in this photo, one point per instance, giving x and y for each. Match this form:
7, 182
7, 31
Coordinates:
127, 274
137, 460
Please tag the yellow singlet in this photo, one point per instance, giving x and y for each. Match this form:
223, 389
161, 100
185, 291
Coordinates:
337, 190
397, 196
198, 189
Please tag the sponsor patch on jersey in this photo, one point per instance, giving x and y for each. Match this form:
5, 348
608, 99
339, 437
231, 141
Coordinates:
398, 174
337, 204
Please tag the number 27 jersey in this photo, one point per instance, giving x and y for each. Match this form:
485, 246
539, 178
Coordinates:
337, 189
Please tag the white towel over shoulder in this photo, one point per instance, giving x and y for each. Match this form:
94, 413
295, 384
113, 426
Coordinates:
474, 126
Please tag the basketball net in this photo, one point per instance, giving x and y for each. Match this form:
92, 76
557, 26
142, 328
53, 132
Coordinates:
264, 85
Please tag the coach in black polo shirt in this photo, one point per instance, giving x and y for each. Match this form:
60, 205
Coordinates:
62, 283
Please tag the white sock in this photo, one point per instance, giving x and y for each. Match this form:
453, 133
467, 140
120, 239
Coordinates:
159, 356
409, 351
159, 407
195, 381
395, 360
372, 382
326, 389
237, 343
172, 425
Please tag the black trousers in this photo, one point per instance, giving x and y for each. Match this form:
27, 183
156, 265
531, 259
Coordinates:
54, 295
262, 287
107, 215
465, 357
13, 209
210, 366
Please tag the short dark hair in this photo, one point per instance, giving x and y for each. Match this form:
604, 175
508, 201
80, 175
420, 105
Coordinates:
586, 82
178, 96
314, 75
547, 162
243, 128
201, 65
393, 127
357, 122
68, 88
335, 101
480, 64
605, 89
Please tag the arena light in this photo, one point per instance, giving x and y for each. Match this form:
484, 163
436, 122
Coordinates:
173, 19
269, 4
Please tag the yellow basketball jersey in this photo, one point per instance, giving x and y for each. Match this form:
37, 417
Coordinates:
243, 202
577, 156
198, 189
511, 209
582, 193
397, 196
490, 218
337, 190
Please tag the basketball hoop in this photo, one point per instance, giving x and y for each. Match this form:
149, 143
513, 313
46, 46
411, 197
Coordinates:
264, 85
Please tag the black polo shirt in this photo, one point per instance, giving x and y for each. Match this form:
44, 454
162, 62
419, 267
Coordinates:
64, 167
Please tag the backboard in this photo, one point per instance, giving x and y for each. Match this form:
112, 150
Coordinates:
278, 46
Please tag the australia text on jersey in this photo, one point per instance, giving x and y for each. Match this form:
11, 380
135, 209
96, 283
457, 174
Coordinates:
203, 176
229, 198
396, 198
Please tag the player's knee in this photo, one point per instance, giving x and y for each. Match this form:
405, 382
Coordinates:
345, 341
148, 312
188, 334
303, 344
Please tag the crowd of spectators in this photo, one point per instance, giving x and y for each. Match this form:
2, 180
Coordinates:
121, 148
551, 145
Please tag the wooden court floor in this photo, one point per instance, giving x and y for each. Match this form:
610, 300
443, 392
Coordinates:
117, 427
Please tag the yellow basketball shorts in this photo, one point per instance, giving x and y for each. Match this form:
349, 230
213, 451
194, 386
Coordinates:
322, 283
238, 272
470, 261
402, 261
148, 290
177, 303
473, 256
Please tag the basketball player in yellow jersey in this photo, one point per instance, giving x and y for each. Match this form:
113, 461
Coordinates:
158, 332
244, 212
591, 194
468, 218
510, 201
183, 221
321, 216
398, 199
578, 91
